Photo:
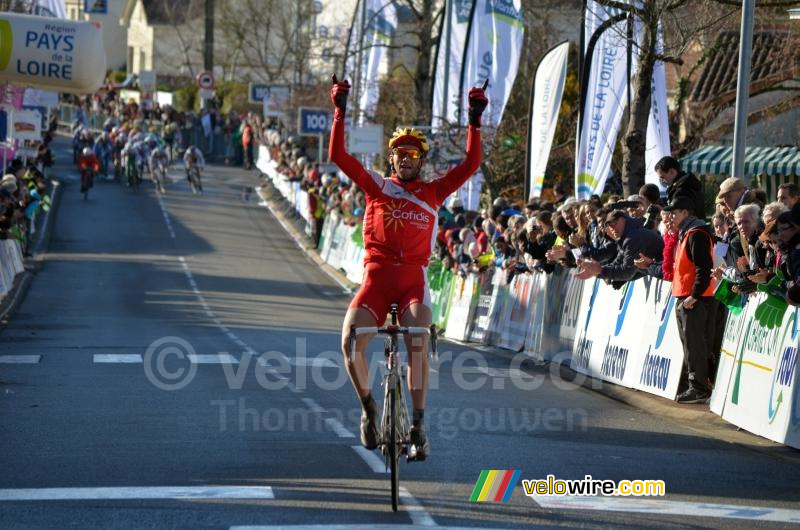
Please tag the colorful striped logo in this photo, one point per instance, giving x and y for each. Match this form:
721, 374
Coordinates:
495, 485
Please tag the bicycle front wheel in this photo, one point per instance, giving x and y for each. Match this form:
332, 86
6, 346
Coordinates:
394, 440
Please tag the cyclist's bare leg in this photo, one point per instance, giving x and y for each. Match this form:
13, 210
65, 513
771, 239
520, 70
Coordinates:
358, 369
417, 315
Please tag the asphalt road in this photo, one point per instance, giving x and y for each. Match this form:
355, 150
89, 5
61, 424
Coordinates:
122, 413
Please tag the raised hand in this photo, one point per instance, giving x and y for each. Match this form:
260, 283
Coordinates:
339, 92
477, 103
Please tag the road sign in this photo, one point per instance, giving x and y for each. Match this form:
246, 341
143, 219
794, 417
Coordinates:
258, 93
313, 122
206, 93
366, 140
147, 81
205, 80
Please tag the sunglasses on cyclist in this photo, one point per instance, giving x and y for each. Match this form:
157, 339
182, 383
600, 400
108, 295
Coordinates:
410, 152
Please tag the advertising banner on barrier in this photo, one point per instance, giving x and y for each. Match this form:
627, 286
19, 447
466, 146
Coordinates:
440, 281
497, 307
608, 347
757, 383
480, 317
661, 345
533, 337
515, 326
461, 305
734, 328
562, 297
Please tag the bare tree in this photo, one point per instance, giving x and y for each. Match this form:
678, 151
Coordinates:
265, 40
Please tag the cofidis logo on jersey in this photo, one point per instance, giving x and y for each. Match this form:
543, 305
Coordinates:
396, 215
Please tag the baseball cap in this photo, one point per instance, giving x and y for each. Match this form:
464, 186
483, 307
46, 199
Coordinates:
730, 184
679, 203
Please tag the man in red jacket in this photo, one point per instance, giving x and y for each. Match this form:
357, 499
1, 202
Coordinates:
89, 166
400, 224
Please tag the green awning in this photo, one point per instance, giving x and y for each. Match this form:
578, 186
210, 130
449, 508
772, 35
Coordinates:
716, 160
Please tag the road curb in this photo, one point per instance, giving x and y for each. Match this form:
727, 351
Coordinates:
32, 264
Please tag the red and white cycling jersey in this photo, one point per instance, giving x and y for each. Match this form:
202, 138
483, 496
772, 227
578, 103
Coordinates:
400, 219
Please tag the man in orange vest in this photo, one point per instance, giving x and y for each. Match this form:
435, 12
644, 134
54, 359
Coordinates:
247, 145
693, 287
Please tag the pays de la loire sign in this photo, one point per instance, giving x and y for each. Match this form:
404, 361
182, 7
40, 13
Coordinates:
51, 53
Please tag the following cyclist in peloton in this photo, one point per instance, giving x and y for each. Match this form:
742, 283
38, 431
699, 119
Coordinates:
194, 163
399, 233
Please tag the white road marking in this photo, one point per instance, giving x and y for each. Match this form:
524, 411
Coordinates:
372, 459
415, 510
167, 220
663, 507
216, 358
337, 427
20, 359
124, 493
118, 358
323, 362
349, 527
314, 406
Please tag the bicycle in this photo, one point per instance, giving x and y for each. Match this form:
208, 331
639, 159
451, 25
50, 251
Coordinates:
395, 425
159, 175
194, 178
132, 171
87, 182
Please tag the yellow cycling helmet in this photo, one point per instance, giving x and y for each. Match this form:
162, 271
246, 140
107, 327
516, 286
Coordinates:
409, 135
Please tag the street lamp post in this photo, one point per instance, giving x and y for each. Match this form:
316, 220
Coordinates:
743, 89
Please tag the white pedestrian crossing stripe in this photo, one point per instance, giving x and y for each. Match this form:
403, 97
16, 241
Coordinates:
128, 493
20, 359
655, 507
321, 362
122, 358
213, 359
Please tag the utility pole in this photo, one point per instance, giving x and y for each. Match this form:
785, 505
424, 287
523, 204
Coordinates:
743, 90
208, 55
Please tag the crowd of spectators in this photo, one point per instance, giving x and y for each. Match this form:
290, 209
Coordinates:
23, 195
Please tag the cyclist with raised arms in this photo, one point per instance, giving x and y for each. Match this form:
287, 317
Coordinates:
400, 224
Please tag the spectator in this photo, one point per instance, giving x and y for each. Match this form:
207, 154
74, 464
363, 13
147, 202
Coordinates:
680, 184
633, 240
773, 210
247, 144
693, 287
788, 194
734, 193
789, 240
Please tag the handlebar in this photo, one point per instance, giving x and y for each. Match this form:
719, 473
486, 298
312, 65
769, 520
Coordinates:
394, 330
391, 330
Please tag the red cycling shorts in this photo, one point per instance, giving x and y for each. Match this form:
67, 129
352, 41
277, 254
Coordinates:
386, 284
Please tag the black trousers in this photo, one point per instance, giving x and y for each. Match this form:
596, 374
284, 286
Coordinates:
696, 329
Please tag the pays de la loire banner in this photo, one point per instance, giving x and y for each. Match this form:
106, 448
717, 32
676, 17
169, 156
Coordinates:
548, 88
51, 53
604, 104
